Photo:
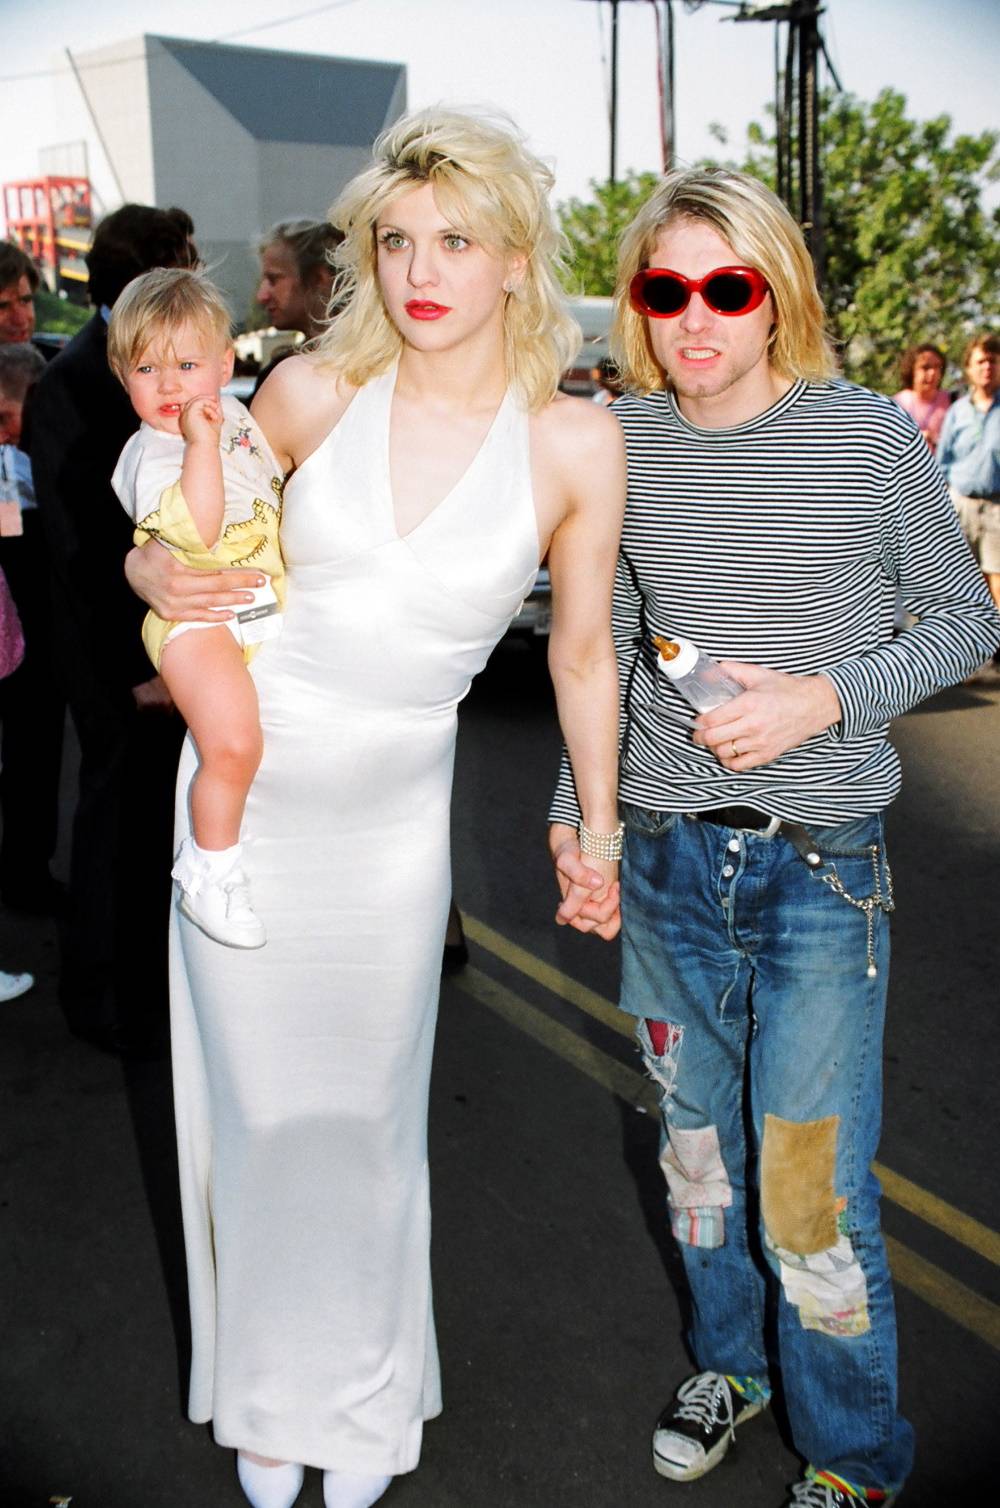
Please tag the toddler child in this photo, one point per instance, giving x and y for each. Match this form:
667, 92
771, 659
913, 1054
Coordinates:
199, 477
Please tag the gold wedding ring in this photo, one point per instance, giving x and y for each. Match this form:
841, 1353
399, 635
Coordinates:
736, 752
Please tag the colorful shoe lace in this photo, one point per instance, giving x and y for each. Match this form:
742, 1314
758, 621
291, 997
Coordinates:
824, 1489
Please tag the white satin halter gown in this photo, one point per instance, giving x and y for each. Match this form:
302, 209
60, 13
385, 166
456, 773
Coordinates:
301, 1070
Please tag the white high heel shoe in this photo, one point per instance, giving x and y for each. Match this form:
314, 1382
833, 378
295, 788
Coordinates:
342, 1489
269, 1486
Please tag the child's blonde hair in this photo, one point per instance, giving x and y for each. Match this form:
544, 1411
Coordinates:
489, 184
153, 307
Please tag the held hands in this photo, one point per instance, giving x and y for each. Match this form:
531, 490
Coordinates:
777, 712
589, 887
201, 419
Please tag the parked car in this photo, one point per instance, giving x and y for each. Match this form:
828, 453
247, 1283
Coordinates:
535, 617
50, 342
241, 388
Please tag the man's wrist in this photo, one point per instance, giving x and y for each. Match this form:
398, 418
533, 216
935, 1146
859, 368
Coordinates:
828, 702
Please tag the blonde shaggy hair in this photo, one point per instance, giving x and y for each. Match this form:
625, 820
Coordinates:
763, 235
492, 189
152, 308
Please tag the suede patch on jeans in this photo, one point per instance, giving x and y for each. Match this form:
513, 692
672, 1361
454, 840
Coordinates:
798, 1161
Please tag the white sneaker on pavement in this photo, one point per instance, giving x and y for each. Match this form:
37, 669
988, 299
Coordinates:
12, 985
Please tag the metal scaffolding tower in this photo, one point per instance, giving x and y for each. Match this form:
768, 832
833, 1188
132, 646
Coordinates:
799, 161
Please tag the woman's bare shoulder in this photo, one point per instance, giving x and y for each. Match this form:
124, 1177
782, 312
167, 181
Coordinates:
301, 379
298, 405
570, 426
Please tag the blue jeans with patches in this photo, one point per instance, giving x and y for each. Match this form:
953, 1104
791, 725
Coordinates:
769, 1069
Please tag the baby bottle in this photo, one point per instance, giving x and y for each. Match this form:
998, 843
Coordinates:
699, 679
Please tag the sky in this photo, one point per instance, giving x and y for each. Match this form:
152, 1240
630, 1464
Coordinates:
545, 62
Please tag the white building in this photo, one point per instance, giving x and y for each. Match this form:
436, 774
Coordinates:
238, 136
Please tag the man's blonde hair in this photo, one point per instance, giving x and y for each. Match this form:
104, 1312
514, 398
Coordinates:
152, 308
491, 188
763, 235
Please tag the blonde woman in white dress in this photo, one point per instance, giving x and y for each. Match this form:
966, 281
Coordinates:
431, 465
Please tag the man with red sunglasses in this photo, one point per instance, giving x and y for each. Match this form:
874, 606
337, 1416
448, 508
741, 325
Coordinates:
774, 512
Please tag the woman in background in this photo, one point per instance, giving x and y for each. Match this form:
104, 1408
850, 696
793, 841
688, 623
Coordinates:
922, 369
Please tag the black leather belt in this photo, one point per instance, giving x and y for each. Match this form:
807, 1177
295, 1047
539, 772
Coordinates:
735, 816
749, 819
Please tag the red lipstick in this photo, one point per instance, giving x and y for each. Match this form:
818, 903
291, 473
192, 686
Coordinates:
419, 308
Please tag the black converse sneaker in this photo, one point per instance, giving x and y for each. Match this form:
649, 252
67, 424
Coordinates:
694, 1432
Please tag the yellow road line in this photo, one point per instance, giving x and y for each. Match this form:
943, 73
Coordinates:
550, 977
583, 1055
918, 1201
939, 1289
936, 1287
934, 1211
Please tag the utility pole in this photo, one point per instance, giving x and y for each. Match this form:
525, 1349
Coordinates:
665, 37
665, 79
613, 169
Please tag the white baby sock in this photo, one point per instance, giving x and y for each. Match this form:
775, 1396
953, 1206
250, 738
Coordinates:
217, 862
343, 1489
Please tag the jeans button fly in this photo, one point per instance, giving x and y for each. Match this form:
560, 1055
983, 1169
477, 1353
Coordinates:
728, 872
733, 845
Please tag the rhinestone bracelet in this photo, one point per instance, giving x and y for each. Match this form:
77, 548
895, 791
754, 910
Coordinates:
602, 845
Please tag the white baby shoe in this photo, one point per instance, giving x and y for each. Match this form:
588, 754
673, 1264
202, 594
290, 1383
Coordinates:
215, 895
269, 1486
342, 1489
12, 985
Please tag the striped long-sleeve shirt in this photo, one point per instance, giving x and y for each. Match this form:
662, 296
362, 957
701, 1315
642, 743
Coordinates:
784, 542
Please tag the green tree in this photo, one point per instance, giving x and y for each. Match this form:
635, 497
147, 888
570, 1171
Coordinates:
58, 315
911, 253
593, 228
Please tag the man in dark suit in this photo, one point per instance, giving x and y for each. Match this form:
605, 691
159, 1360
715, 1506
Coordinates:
113, 977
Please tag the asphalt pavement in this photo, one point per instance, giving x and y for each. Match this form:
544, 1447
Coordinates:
558, 1293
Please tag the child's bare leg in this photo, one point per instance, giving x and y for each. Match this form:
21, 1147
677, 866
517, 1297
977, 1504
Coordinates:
208, 679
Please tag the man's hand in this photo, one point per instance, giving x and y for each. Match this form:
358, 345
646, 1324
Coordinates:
153, 696
201, 419
777, 712
180, 594
589, 887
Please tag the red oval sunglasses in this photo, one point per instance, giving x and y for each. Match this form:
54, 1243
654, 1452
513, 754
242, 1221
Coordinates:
663, 294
